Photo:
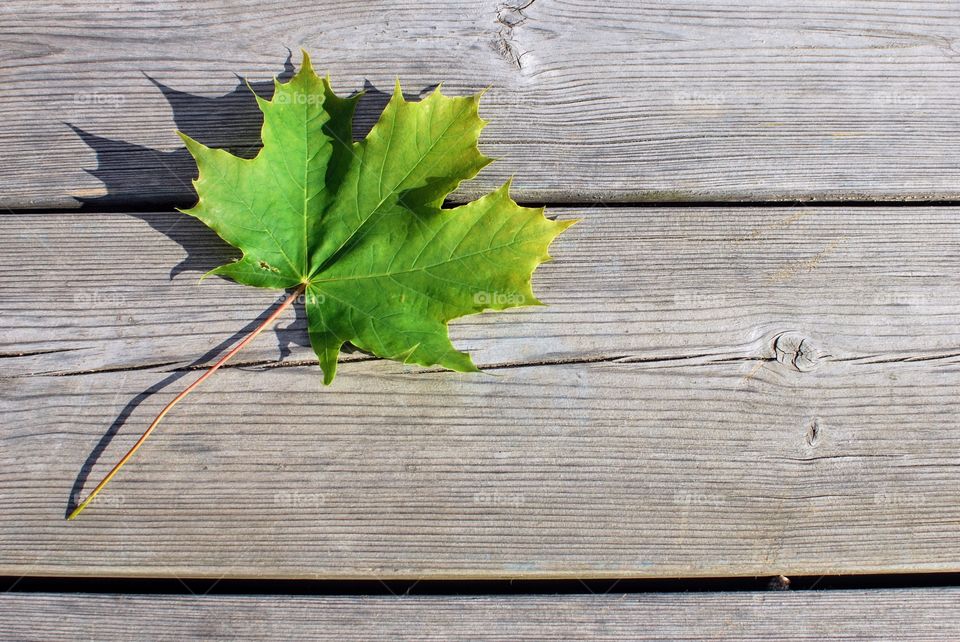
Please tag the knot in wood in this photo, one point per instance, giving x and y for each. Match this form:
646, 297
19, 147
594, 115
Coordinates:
795, 350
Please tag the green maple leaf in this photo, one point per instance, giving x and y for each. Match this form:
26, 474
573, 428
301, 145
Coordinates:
360, 225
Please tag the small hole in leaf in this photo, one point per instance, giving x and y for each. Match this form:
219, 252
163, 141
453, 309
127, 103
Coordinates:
266, 266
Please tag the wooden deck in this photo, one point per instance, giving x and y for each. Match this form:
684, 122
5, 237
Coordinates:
749, 366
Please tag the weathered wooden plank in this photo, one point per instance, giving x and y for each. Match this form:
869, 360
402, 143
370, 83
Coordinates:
95, 291
627, 101
906, 614
574, 470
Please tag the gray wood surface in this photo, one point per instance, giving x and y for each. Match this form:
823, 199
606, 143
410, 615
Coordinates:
93, 292
712, 392
665, 101
906, 614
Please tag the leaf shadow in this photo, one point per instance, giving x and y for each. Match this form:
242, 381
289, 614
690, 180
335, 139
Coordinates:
121, 419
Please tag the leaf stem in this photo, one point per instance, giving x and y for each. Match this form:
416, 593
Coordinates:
206, 375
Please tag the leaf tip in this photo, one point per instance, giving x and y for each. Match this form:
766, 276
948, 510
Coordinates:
205, 275
250, 87
469, 368
193, 146
328, 364
305, 65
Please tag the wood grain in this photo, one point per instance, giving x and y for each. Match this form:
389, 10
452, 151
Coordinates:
573, 470
712, 392
625, 101
905, 614
685, 285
